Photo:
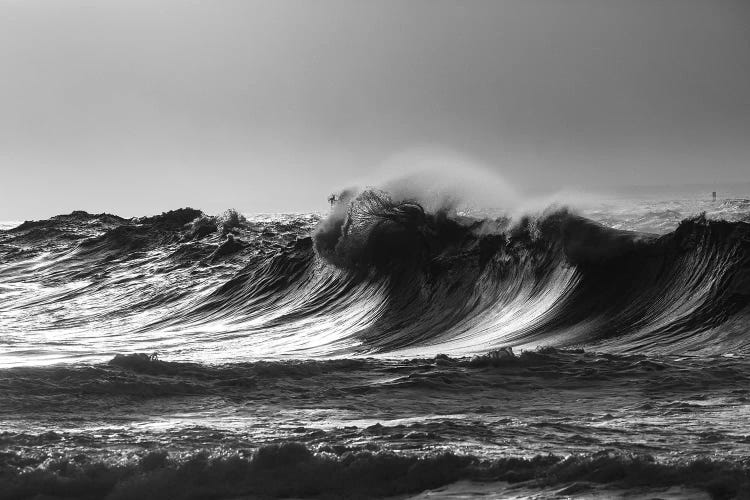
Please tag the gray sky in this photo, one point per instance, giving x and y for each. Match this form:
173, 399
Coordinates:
135, 107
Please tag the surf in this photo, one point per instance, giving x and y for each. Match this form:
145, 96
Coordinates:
379, 275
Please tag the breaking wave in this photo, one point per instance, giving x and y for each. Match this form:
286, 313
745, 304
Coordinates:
383, 276
293, 470
447, 283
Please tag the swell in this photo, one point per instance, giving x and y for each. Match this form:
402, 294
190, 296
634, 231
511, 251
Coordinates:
384, 276
452, 284
558, 279
142, 376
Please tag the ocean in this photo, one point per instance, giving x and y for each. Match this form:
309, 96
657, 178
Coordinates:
380, 350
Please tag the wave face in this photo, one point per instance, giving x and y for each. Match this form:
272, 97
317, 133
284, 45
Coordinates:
560, 279
375, 277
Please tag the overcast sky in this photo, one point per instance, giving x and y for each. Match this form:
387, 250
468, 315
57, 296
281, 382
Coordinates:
134, 107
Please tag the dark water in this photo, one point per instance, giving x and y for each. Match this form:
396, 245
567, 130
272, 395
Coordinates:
366, 354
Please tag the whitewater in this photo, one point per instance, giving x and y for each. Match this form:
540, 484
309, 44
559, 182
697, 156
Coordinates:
387, 348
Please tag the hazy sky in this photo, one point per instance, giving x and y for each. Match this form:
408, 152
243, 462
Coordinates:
135, 107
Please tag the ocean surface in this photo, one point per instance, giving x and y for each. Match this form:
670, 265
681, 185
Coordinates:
379, 350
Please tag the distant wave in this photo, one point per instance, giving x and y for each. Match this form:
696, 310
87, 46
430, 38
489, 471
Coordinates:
385, 276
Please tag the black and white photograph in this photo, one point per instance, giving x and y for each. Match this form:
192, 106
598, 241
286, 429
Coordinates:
365, 249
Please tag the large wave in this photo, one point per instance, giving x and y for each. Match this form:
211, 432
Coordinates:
386, 276
556, 279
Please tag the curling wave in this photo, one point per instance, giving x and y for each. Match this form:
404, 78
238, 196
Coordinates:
377, 276
419, 282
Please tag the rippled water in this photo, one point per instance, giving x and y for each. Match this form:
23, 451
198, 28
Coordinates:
139, 360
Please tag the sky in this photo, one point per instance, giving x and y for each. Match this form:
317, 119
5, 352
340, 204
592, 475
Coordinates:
135, 107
